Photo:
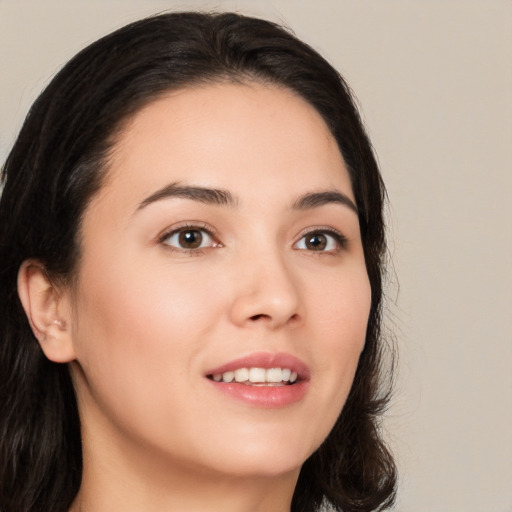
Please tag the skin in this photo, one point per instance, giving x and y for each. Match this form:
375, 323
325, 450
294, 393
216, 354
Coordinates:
147, 318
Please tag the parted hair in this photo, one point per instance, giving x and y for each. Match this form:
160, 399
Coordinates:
58, 163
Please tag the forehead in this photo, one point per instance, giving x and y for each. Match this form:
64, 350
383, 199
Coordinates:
242, 137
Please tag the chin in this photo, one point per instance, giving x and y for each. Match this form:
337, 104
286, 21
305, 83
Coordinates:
263, 456
270, 467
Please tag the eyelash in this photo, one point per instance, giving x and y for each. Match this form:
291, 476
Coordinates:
339, 239
202, 228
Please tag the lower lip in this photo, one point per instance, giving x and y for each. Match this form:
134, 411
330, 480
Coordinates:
267, 397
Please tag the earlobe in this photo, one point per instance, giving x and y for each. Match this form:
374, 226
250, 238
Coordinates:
47, 312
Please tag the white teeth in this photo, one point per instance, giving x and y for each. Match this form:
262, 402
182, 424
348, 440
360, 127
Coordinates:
274, 375
228, 376
257, 376
242, 374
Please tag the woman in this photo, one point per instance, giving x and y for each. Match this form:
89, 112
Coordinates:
191, 261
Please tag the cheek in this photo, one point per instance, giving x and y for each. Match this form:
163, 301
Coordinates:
137, 331
133, 303
344, 305
137, 344
342, 318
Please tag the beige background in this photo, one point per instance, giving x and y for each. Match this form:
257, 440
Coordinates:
434, 79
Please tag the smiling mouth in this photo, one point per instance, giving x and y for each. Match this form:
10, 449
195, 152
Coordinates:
257, 376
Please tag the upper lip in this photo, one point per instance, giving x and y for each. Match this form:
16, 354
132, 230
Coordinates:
265, 360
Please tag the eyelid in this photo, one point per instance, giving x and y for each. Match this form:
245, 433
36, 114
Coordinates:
192, 226
339, 237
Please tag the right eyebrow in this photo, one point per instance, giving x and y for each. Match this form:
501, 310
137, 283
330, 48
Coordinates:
316, 199
195, 193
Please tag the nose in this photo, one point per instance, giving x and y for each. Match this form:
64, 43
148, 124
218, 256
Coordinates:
266, 293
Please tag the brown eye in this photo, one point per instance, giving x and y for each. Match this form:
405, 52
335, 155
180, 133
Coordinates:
316, 242
189, 239
322, 241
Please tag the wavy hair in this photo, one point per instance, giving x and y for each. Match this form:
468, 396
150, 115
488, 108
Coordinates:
58, 163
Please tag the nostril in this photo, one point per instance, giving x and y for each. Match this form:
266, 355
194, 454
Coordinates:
258, 317
270, 318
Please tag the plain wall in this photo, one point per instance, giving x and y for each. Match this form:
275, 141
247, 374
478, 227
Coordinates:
434, 79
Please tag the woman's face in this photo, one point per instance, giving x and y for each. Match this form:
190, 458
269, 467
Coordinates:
224, 238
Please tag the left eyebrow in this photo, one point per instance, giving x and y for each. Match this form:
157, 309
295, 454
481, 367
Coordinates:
316, 199
194, 193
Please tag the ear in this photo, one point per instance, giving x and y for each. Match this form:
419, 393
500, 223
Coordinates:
48, 311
